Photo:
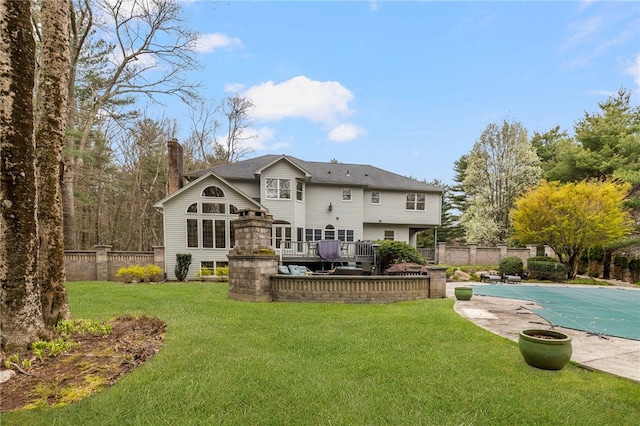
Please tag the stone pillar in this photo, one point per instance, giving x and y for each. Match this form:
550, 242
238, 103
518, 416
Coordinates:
503, 250
158, 258
437, 282
252, 260
441, 254
473, 254
102, 262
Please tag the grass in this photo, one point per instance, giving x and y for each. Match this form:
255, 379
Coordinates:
230, 362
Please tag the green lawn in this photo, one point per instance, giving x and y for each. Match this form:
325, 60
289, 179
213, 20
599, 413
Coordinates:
230, 362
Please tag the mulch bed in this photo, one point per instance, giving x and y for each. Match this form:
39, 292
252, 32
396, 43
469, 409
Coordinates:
95, 364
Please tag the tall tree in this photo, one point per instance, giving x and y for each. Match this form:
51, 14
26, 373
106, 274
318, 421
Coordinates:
50, 124
610, 140
450, 229
151, 52
554, 147
571, 217
20, 306
501, 166
204, 147
140, 183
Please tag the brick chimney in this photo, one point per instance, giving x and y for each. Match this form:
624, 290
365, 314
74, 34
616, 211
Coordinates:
174, 179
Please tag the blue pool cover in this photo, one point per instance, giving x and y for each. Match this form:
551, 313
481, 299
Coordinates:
597, 310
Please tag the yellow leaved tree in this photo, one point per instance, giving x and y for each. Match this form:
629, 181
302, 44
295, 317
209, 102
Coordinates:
572, 217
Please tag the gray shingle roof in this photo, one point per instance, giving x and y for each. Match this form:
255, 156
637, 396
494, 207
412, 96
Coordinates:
322, 173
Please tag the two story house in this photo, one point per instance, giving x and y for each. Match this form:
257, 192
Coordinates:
310, 202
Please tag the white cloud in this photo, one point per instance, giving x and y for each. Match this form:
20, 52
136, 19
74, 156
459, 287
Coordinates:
234, 87
210, 42
263, 139
346, 132
633, 69
319, 101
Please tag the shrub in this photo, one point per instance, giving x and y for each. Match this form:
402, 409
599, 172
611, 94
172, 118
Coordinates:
222, 271
183, 261
511, 265
541, 259
207, 272
546, 271
139, 273
392, 252
621, 264
634, 267
596, 253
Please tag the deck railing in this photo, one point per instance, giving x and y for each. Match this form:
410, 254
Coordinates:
355, 249
310, 249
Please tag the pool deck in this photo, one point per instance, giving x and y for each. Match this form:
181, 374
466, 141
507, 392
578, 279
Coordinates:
506, 317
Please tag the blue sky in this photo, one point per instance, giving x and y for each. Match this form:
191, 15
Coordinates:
410, 86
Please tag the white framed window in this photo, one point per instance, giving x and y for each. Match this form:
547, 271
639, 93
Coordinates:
213, 191
345, 235
416, 202
214, 208
193, 208
192, 233
299, 190
375, 197
390, 235
346, 194
329, 232
311, 234
277, 189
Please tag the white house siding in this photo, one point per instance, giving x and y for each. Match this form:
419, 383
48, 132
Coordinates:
344, 214
251, 189
392, 209
281, 209
374, 232
175, 225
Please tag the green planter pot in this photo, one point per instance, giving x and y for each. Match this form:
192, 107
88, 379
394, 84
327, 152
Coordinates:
463, 293
546, 349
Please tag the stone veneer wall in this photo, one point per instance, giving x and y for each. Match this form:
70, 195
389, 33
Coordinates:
358, 289
472, 254
102, 264
252, 260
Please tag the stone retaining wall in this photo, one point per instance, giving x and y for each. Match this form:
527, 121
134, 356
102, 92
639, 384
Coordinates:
358, 289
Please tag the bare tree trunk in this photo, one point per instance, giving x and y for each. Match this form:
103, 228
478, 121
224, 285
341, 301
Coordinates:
51, 113
20, 308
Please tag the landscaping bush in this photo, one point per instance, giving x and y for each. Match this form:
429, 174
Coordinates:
222, 271
183, 261
541, 259
392, 252
634, 267
546, 271
139, 273
620, 263
511, 265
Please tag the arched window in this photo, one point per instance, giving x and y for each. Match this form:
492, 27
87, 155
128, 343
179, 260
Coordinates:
193, 208
213, 191
329, 232
233, 209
